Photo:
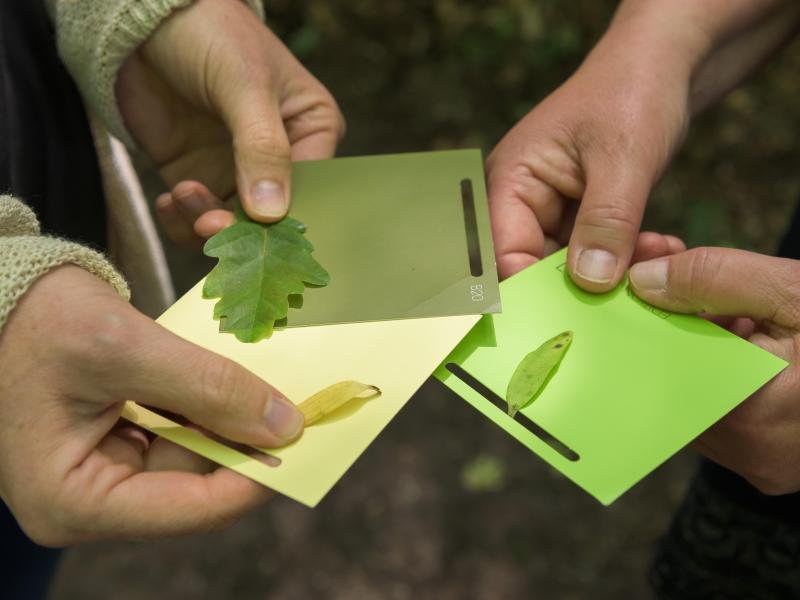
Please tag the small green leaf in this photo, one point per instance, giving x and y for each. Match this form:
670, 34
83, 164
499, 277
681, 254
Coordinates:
259, 267
533, 371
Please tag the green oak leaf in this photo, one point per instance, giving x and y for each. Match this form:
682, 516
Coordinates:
259, 267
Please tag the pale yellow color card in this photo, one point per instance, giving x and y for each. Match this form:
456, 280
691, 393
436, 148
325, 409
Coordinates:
396, 356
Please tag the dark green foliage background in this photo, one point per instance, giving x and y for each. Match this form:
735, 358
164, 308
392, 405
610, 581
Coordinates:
444, 505
414, 75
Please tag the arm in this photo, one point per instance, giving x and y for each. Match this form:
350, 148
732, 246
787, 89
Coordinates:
206, 90
718, 42
95, 38
71, 350
741, 53
580, 166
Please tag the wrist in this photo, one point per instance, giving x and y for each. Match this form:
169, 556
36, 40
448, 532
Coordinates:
702, 47
661, 39
741, 52
694, 28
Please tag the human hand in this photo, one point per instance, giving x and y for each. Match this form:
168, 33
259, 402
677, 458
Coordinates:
579, 167
760, 298
214, 97
71, 353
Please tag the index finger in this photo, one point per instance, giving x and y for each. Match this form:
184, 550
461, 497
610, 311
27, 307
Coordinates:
164, 503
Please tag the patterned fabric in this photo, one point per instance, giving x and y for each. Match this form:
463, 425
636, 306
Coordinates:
728, 541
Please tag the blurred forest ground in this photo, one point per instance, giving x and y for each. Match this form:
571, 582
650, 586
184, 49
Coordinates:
445, 505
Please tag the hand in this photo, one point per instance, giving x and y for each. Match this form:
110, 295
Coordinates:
760, 296
580, 166
70, 470
214, 97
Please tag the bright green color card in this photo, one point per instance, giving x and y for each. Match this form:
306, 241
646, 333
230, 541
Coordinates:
636, 385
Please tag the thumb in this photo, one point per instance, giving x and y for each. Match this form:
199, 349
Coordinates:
607, 224
167, 372
722, 281
262, 152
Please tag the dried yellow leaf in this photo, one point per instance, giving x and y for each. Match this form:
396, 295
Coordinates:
333, 398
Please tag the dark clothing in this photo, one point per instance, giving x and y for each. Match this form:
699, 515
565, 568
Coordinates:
728, 541
47, 156
790, 247
47, 159
27, 568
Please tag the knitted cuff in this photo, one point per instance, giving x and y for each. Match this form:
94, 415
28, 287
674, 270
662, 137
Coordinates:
95, 37
16, 218
25, 256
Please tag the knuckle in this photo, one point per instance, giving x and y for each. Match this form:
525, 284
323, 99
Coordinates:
613, 222
264, 142
222, 384
323, 115
793, 278
105, 339
692, 274
787, 289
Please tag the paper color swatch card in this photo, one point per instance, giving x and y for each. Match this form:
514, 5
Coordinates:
635, 385
402, 236
396, 356
407, 241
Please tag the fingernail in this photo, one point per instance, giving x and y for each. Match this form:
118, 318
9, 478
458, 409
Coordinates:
650, 275
163, 201
136, 436
598, 266
282, 418
193, 203
268, 198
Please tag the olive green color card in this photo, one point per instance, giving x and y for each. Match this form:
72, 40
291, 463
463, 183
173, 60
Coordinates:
402, 236
635, 385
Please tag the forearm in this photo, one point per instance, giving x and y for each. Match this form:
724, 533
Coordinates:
742, 53
712, 22
95, 37
708, 45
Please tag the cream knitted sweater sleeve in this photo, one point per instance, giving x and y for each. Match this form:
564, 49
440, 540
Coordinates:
94, 39
96, 36
25, 255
